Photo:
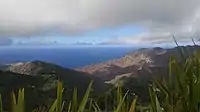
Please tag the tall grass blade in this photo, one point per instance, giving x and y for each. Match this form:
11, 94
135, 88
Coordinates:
75, 101
85, 98
96, 108
69, 107
179, 49
133, 105
193, 42
59, 97
18, 103
155, 105
1, 104
53, 107
90, 105
121, 102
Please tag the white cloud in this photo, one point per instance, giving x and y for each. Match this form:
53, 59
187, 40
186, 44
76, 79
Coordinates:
156, 38
184, 33
29, 17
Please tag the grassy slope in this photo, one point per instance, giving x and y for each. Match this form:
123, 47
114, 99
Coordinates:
41, 88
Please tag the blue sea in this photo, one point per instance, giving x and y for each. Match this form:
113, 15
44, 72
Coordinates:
72, 57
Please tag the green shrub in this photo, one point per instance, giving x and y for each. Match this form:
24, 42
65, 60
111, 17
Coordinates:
181, 93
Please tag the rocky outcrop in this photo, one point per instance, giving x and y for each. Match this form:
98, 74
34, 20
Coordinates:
33, 68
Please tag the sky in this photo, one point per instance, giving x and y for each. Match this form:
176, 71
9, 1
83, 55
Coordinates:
88, 38
98, 22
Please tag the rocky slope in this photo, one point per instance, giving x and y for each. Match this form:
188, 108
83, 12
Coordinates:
133, 71
40, 68
141, 63
40, 81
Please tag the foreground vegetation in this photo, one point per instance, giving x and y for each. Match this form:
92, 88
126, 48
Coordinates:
179, 93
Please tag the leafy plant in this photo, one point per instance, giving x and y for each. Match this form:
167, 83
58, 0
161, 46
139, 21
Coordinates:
181, 93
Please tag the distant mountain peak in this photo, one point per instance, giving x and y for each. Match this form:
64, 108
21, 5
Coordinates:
32, 68
40, 81
145, 61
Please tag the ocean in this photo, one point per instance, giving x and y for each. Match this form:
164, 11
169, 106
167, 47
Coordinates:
73, 57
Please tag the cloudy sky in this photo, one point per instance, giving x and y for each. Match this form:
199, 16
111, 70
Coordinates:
133, 22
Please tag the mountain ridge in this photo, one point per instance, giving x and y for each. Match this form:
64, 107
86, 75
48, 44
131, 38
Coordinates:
40, 81
134, 62
133, 71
